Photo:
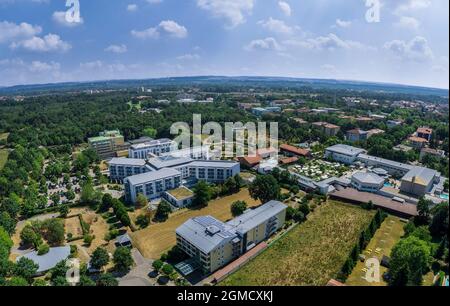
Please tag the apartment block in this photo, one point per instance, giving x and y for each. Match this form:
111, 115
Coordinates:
213, 244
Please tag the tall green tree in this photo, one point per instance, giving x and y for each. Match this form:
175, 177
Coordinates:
265, 188
410, 258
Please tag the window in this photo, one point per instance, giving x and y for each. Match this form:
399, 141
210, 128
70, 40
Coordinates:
149, 189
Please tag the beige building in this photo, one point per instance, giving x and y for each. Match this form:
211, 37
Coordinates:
212, 244
107, 143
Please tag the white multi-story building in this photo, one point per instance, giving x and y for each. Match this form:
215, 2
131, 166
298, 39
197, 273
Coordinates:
367, 181
182, 168
120, 168
343, 153
151, 184
213, 244
155, 147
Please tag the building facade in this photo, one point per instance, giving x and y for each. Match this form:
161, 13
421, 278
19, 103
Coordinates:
214, 244
120, 168
343, 153
155, 147
107, 143
151, 184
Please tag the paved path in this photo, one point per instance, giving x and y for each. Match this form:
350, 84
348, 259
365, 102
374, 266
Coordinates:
138, 276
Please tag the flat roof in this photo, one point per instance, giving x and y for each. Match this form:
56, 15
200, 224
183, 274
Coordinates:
127, 161
214, 163
354, 195
152, 176
151, 143
383, 161
253, 218
368, 178
168, 161
420, 175
181, 193
345, 149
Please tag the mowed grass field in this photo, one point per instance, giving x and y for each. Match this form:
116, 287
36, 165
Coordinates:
160, 237
309, 255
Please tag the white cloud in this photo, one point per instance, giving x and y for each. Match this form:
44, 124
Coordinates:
168, 27
10, 31
117, 48
330, 42
411, 5
232, 10
50, 42
268, 43
132, 7
285, 8
188, 57
417, 49
60, 18
91, 65
38, 66
276, 26
343, 23
408, 23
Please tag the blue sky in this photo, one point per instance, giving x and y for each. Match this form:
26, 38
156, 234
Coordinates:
160, 38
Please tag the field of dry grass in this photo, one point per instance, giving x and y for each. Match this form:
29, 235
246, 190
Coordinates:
73, 226
310, 254
160, 237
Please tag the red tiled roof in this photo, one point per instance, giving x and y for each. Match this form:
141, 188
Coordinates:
417, 139
424, 130
289, 160
295, 150
250, 160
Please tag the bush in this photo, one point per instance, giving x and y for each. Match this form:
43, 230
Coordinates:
143, 221
167, 269
43, 249
157, 265
87, 239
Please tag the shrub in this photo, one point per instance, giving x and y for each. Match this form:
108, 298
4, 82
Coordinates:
43, 249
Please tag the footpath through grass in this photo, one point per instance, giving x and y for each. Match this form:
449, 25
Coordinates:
310, 254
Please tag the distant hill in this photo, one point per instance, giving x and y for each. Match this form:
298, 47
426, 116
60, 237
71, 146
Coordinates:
257, 82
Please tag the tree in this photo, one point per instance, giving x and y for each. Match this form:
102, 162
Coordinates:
163, 211
26, 268
107, 280
150, 132
157, 265
265, 188
238, 208
141, 200
54, 231
29, 236
55, 198
89, 196
423, 233
86, 281
5, 241
17, 281
8, 223
122, 259
167, 269
423, 210
439, 222
99, 258
202, 194
143, 221
409, 261
63, 211
107, 202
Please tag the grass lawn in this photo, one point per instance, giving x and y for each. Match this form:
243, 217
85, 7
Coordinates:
3, 157
385, 238
310, 254
160, 237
